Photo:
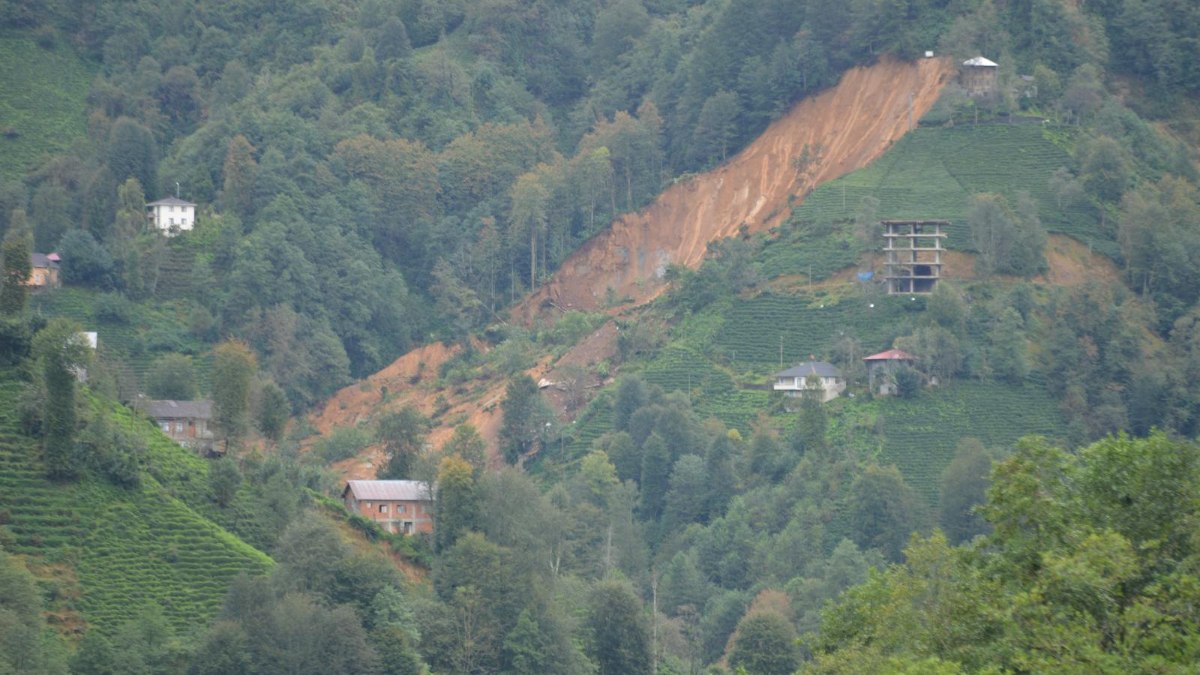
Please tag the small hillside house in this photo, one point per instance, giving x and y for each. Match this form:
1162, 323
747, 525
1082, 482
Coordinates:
979, 76
803, 377
399, 506
185, 422
171, 215
882, 366
43, 271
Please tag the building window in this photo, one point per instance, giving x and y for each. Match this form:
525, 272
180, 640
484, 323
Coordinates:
179, 427
166, 427
383, 508
401, 509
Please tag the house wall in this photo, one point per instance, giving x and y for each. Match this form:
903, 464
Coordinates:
831, 387
43, 277
396, 516
979, 80
180, 218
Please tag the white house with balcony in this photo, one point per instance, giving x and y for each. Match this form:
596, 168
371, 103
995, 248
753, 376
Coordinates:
171, 215
809, 376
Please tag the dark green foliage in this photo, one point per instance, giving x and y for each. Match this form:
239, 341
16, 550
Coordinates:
654, 484
272, 411
132, 152
224, 478
764, 644
171, 377
908, 382
16, 267
524, 416
403, 436
25, 644
884, 511
457, 502
964, 486
233, 370
84, 261
619, 641
60, 351
1069, 540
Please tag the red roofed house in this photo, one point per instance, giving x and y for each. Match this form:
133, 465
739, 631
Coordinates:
399, 506
885, 364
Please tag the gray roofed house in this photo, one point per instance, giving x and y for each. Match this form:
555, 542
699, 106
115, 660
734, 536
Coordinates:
404, 506
171, 215
795, 380
185, 422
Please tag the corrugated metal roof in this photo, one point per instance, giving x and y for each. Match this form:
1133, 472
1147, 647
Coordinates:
891, 355
200, 410
818, 368
980, 62
389, 490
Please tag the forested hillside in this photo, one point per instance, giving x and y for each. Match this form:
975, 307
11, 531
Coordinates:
374, 175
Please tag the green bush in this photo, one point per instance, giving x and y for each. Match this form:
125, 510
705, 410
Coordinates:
113, 308
343, 443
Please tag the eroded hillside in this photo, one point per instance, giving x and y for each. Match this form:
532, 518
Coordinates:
838, 131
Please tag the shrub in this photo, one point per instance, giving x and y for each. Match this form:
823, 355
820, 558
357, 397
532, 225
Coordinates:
113, 308
343, 443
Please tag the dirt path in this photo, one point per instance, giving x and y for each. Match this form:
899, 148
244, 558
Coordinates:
848, 126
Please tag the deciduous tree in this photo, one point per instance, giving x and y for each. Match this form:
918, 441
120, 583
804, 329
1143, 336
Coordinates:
234, 366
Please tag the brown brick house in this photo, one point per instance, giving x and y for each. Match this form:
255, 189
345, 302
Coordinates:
399, 506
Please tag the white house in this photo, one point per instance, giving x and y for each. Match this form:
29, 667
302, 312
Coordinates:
172, 215
795, 380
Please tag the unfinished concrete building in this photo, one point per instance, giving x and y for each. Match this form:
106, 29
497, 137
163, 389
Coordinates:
914, 255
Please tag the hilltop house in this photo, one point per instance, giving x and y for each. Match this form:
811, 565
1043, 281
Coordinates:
802, 377
171, 215
43, 271
881, 367
185, 422
979, 77
399, 506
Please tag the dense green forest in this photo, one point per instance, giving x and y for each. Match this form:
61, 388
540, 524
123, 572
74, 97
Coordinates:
374, 175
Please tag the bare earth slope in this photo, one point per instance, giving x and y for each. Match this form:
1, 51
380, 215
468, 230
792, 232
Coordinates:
847, 126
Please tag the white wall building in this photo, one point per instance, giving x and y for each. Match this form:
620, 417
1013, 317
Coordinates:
172, 215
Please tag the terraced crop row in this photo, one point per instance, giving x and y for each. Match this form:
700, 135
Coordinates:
134, 343
755, 328
128, 547
931, 173
920, 435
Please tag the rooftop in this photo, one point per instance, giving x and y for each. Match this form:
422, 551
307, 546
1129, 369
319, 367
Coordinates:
43, 260
179, 409
170, 201
980, 62
891, 355
818, 368
389, 490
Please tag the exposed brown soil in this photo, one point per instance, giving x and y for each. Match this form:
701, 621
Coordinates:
844, 129
847, 126
1072, 262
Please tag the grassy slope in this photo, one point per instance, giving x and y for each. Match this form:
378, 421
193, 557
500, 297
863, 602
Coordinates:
152, 329
43, 103
932, 172
929, 174
127, 547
